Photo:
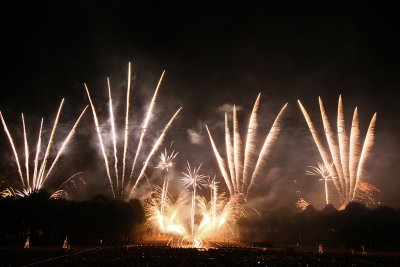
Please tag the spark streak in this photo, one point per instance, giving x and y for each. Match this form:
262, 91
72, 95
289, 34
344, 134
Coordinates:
146, 122
96, 122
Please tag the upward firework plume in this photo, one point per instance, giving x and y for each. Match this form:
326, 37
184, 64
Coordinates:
343, 159
34, 180
192, 178
243, 170
121, 184
322, 172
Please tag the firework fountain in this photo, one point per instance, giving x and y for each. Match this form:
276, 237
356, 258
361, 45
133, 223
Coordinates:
122, 185
33, 181
343, 161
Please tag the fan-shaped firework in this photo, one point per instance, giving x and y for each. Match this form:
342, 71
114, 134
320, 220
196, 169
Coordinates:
343, 158
34, 180
118, 183
243, 170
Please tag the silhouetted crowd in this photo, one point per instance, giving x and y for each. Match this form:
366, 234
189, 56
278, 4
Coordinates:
167, 256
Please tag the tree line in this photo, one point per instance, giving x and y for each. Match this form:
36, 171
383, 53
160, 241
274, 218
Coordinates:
48, 221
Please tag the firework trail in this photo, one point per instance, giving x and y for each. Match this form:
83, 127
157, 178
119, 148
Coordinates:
155, 148
145, 124
221, 164
243, 175
354, 149
126, 130
266, 149
49, 145
96, 122
193, 179
250, 142
229, 153
365, 152
39, 142
13, 148
66, 141
343, 143
347, 165
237, 156
114, 138
26, 150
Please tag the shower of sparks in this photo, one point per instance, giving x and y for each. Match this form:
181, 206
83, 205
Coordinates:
220, 212
343, 160
366, 194
33, 181
163, 214
121, 187
322, 172
192, 178
244, 170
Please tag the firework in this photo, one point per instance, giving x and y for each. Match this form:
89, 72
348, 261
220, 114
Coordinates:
163, 213
166, 160
192, 178
322, 172
73, 180
118, 184
33, 181
220, 212
243, 173
342, 159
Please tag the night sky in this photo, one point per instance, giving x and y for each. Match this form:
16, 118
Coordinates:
214, 57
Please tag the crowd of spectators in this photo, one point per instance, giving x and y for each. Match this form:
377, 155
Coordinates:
169, 256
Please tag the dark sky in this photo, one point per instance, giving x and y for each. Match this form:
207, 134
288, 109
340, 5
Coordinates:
213, 55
